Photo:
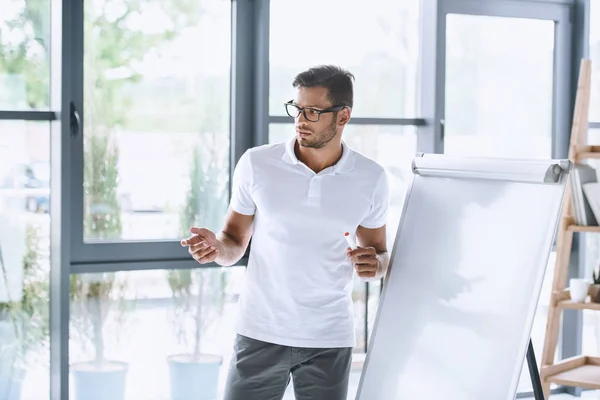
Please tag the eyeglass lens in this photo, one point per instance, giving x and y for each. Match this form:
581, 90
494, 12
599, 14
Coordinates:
309, 113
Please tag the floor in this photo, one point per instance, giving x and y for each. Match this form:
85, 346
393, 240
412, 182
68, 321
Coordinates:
355, 377
591, 395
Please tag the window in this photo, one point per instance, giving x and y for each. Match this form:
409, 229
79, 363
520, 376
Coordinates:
382, 54
155, 329
156, 118
487, 112
25, 199
24, 259
24, 55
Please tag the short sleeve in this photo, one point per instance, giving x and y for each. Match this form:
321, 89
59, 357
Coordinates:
241, 188
377, 216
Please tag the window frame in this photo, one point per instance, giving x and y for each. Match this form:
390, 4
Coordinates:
110, 256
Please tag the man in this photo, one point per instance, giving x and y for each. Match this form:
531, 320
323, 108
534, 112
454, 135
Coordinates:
296, 200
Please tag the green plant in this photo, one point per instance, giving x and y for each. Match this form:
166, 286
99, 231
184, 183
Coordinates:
96, 296
198, 294
596, 277
29, 315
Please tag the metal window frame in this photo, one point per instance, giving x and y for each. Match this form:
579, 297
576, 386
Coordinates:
560, 13
361, 121
60, 156
571, 334
247, 21
33, 115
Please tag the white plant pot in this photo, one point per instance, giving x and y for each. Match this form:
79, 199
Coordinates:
194, 379
100, 382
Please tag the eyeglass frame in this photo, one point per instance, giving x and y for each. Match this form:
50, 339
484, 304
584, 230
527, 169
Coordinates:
302, 110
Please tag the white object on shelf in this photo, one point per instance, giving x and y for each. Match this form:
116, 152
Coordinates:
579, 288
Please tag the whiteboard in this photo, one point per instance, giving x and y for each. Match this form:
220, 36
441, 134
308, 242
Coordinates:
466, 270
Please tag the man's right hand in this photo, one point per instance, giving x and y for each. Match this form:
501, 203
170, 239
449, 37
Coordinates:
202, 245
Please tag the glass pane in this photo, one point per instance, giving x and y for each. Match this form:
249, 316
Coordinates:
149, 328
375, 289
383, 54
156, 118
595, 57
24, 260
499, 86
25, 55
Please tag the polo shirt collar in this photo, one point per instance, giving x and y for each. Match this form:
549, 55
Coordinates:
345, 163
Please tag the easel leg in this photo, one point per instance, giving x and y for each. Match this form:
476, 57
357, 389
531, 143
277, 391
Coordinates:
534, 373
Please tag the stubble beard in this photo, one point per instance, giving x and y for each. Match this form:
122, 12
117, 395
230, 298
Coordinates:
319, 140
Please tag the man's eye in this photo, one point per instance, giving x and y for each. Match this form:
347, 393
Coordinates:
312, 111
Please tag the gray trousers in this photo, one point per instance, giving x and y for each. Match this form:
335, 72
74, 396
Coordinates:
262, 371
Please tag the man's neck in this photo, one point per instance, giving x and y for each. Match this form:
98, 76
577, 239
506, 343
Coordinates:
319, 159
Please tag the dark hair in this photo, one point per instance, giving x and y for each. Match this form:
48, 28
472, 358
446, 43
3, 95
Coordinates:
337, 80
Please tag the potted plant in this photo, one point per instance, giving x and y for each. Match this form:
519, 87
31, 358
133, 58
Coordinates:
198, 304
595, 287
97, 298
198, 294
24, 322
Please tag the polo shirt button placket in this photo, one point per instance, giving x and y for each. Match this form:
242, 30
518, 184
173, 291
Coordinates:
314, 190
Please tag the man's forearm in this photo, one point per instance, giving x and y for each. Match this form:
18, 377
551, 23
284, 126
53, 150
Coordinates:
230, 251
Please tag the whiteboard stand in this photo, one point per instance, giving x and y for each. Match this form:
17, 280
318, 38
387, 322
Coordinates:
534, 373
466, 270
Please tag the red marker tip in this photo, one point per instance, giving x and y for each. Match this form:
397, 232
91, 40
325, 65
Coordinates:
347, 234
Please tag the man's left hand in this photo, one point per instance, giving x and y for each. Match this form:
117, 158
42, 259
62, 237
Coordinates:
365, 261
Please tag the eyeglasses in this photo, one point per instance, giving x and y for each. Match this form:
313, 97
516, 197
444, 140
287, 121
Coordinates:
311, 114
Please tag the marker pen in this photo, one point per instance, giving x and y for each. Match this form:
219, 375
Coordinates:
350, 240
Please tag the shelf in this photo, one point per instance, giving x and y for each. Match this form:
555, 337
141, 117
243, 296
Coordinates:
586, 152
580, 371
563, 300
579, 306
582, 228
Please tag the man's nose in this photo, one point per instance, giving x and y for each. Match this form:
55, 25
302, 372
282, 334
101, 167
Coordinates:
301, 118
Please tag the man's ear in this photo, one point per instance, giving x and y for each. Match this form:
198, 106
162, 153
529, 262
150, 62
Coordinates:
344, 116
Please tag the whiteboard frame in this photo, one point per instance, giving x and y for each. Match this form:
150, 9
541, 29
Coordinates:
504, 164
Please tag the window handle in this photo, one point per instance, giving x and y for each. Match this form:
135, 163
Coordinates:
442, 128
75, 121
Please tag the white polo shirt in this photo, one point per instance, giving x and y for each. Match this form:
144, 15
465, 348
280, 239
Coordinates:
298, 283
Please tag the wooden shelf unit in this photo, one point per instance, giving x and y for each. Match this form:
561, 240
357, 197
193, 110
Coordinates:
563, 300
580, 371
